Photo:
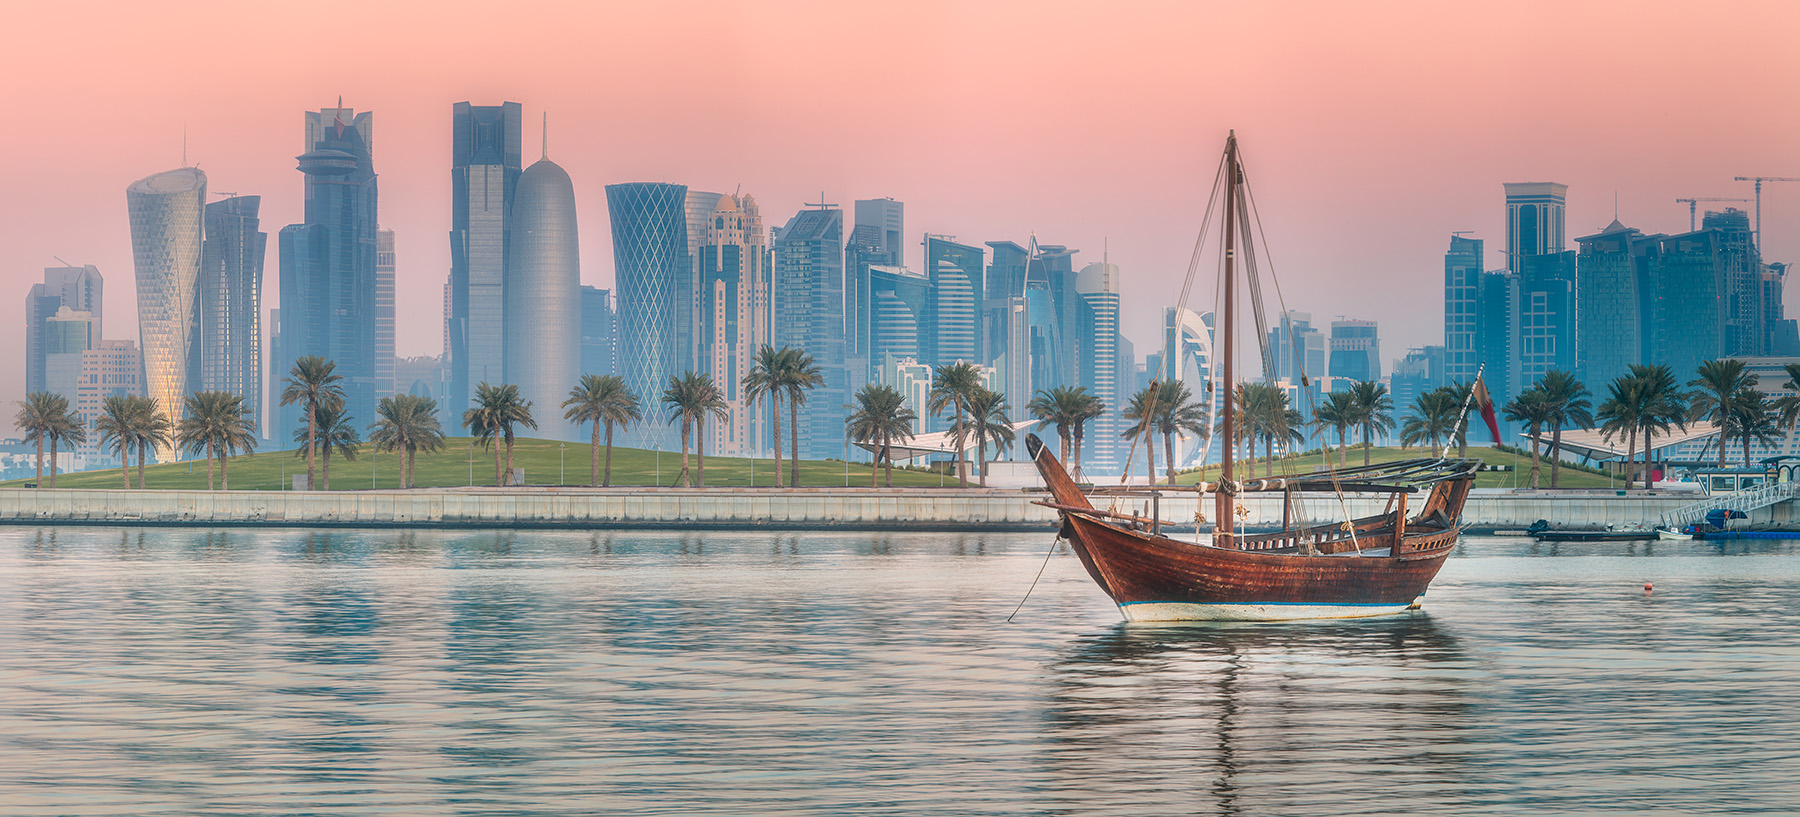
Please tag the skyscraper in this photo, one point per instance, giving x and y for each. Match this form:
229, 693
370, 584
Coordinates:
807, 312
78, 288
732, 320
649, 230
597, 332
68, 335
167, 217
1355, 350
1534, 219
1544, 310
1463, 267
386, 378
1098, 286
328, 277
1612, 272
1297, 348
1747, 315
543, 295
698, 207
486, 149
953, 330
231, 277
888, 218
899, 300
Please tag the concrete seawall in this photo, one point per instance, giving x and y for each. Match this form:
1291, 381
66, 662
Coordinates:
817, 508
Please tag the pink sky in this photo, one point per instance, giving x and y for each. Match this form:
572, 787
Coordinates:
1372, 130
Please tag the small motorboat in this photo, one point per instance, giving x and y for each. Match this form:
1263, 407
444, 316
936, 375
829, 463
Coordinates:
1672, 535
1541, 531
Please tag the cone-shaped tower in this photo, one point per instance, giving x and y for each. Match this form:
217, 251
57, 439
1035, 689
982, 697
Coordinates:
166, 224
543, 295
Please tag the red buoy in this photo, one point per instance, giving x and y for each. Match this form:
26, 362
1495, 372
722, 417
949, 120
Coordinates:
1646, 587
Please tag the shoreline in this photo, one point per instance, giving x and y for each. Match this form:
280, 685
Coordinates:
849, 509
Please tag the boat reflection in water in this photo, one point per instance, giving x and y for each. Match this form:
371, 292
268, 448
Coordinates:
1268, 718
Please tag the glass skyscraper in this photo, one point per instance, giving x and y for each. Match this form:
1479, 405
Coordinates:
543, 295
231, 278
649, 230
807, 312
1098, 286
327, 262
1462, 287
79, 288
167, 213
953, 331
485, 148
1534, 219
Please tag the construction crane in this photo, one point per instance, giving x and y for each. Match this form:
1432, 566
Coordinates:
1692, 203
1759, 180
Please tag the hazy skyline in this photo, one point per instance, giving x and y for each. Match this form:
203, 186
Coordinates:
1371, 132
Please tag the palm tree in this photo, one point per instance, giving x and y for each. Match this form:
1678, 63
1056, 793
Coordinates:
1788, 406
117, 424
603, 400
1460, 394
313, 384
764, 382
498, 409
45, 416
952, 385
1534, 410
1177, 413
1063, 407
218, 425
1374, 411
1275, 422
799, 375
881, 418
1646, 402
1567, 399
1668, 406
332, 429
1718, 386
1754, 420
692, 398
1337, 413
1141, 410
408, 424
1246, 413
1434, 416
154, 430
987, 423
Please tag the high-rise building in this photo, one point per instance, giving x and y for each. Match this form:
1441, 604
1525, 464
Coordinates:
958, 272
167, 218
597, 332
79, 288
862, 251
1463, 267
486, 147
231, 278
1355, 350
807, 312
543, 295
732, 269
1544, 310
1613, 273
888, 218
698, 206
111, 367
1421, 371
1098, 286
1691, 315
386, 381
1055, 317
327, 263
649, 230
1297, 348
1747, 324
68, 335
1534, 219
899, 302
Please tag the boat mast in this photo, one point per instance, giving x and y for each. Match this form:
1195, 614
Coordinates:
1223, 528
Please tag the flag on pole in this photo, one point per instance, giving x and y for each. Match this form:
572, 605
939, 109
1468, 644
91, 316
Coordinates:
1486, 403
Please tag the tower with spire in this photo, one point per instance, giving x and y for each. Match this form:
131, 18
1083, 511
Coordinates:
543, 292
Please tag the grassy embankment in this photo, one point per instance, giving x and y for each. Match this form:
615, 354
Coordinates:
454, 466
1308, 463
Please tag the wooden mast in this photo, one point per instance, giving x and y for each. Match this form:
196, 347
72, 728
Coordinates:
1223, 528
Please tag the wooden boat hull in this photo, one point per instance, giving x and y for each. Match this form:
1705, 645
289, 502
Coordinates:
1154, 578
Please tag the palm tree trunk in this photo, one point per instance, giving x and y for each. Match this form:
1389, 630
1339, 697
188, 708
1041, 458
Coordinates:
125, 463
509, 453
1724, 426
406, 463
887, 459
497, 465
52, 461
686, 430
40, 461
1534, 457
1269, 456
1149, 439
312, 444
794, 438
224, 472
981, 457
1169, 454
962, 474
1649, 440
1366, 445
325, 474
775, 427
1630, 457
608, 481
700, 445
594, 458
143, 451
1343, 446
875, 466
1067, 442
1555, 453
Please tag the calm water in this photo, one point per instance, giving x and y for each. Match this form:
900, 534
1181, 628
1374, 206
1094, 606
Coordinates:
290, 672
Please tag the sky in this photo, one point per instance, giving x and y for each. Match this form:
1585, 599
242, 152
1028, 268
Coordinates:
1371, 131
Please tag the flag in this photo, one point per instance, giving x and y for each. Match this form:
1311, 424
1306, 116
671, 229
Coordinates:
1486, 403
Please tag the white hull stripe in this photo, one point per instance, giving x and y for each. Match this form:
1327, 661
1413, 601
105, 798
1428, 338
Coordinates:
1259, 611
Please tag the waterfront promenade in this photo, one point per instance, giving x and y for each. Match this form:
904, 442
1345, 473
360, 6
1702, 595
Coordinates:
751, 508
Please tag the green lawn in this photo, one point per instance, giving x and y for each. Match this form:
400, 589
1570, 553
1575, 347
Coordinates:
458, 464
1307, 463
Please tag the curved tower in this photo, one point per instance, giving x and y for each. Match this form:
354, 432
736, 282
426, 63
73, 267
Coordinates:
167, 211
649, 229
543, 295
